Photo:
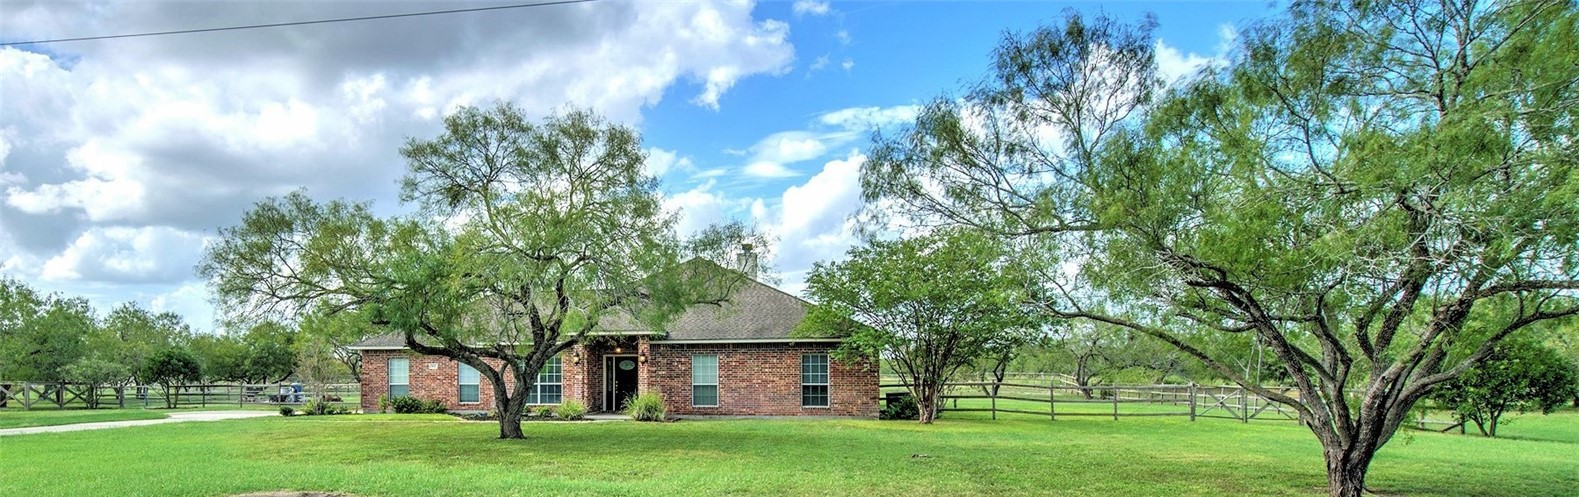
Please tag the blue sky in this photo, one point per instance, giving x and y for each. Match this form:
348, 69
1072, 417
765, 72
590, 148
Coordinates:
119, 159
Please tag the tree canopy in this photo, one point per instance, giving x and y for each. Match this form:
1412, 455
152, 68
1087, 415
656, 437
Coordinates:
1379, 193
930, 304
529, 236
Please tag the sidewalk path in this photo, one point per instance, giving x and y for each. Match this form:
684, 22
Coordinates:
175, 417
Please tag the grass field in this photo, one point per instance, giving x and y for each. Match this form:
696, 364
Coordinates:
12, 418
964, 454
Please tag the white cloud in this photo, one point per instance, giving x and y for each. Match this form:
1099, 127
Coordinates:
115, 154
127, 255
868, 118
848, 64
1174, 65
810, 7
819, 64
769, 170
660, 162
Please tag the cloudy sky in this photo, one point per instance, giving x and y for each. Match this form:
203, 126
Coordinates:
120, 157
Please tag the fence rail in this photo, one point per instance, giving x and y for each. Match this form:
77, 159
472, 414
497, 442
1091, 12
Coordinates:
79, 395
1057, 398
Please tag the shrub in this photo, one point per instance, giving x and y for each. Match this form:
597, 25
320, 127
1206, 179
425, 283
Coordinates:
545, 411
383, 404
902, 407
286, 411
571, 410
318, 407
645, 407
413, 405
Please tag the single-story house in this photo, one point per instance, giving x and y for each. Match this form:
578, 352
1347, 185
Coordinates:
733, 359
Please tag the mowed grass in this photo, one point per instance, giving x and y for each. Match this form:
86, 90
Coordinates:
963, 454
14, 418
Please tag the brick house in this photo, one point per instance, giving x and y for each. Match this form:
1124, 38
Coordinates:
735, 359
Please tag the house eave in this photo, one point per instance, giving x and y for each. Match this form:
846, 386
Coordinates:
748, 340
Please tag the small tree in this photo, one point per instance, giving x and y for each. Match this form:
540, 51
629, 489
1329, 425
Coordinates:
1519, 376
97, 373
171, 368
931, 304
316, 365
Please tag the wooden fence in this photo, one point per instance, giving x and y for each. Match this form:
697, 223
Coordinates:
30, 395
1054, 399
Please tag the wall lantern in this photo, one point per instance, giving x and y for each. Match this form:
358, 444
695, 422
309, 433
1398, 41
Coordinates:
642, 358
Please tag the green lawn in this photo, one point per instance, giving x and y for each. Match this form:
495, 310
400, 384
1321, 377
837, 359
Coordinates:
12, 418
392, 455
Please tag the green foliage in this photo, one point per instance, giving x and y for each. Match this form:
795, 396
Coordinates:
413, 405
383, 403
530, 233
646, 406
287, 411
170, 368
97, 373
320, 407
570, 410
132, 335
1374, 193
888, 300
40, 335
903, 407
545, 411
1520, 376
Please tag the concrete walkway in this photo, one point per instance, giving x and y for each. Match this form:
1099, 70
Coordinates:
175, 417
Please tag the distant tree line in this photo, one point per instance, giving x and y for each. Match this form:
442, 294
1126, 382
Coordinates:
58, 338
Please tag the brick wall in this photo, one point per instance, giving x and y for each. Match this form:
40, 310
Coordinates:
754, 379
762, 379
433, 378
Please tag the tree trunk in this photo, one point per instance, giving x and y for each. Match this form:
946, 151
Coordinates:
926, 403
1345, 473
510, 420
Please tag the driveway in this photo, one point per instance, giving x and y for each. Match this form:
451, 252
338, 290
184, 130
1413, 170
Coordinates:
175, 417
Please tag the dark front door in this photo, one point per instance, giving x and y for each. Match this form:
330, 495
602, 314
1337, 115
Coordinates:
622, 380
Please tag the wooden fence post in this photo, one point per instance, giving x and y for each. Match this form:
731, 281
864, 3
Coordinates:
1244, 404
1114, 391
1192, 401
1052, 409
995, 406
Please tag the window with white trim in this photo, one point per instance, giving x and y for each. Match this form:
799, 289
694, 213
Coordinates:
467, 391
548, 387
399, 377
704, 380
814, 380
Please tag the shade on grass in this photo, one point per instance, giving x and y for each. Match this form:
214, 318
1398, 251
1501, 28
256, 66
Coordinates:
389, 455
14, 418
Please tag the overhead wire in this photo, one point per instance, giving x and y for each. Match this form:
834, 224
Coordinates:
298, 23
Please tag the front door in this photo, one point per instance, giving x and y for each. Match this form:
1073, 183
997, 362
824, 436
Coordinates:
620, 372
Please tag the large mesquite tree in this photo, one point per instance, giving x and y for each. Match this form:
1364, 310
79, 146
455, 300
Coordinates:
529, 235
1378, 192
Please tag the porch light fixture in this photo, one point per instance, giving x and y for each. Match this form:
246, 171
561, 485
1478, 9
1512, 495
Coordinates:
575, 357
617, 349
642, 358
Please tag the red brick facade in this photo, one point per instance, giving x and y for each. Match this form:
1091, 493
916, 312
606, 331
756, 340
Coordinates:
754, 378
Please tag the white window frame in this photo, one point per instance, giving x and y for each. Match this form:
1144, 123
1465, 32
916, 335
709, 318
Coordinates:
827, 373
460, 381
389, 377
717, 397
537, 386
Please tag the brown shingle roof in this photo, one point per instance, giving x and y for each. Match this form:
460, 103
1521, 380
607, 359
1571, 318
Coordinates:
756, 311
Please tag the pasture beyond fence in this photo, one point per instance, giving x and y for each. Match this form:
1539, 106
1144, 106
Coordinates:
30, 395
1054, 399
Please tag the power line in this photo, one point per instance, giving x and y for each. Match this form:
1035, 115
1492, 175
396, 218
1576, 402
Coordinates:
300, 23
